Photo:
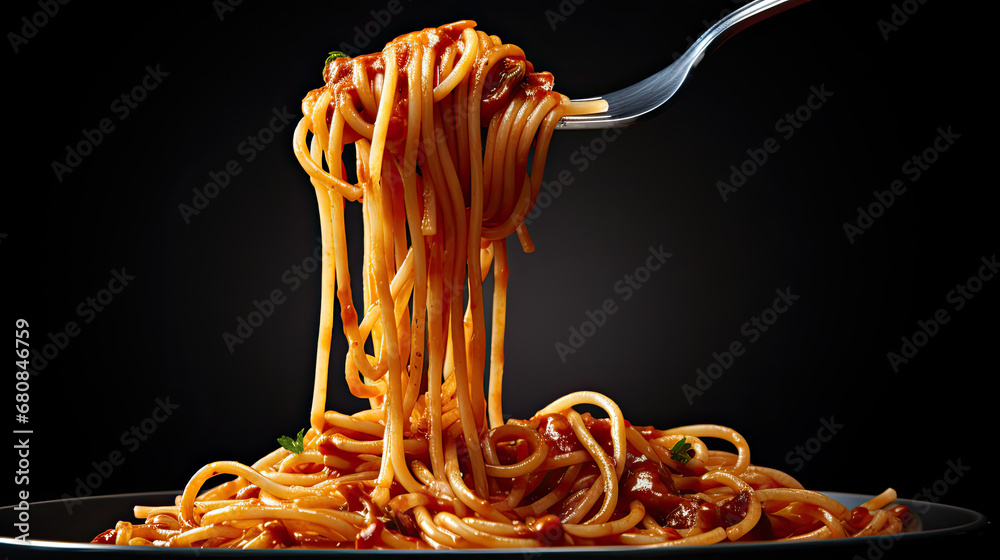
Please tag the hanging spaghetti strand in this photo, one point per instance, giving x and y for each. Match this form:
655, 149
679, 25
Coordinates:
450, 128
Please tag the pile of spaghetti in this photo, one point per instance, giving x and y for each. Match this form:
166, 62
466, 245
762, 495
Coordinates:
450, 129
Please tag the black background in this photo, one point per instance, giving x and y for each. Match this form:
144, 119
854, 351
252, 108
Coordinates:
225, 72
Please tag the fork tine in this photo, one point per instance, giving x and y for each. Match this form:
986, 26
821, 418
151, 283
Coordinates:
643, 99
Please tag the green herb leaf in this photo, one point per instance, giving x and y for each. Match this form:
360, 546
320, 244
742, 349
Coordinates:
680, 452
294, 445
333, 56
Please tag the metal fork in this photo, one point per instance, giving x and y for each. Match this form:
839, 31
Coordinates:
645, 98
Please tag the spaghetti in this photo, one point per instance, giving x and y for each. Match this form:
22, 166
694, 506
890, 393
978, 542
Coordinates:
450, 129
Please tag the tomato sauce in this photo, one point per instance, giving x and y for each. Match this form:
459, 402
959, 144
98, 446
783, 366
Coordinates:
107, 537
371, 536
649, 482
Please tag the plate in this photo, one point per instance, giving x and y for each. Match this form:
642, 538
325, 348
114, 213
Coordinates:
60, 529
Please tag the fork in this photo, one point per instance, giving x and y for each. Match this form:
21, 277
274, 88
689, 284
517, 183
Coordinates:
643, 99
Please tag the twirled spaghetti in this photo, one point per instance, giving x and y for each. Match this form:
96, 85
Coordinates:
450, 128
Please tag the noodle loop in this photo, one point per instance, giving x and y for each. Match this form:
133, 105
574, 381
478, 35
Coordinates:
450, 128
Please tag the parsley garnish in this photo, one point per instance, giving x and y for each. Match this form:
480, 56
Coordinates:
681, 451
333, 56
294, 445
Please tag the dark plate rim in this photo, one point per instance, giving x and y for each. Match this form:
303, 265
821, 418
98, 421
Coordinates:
965, 521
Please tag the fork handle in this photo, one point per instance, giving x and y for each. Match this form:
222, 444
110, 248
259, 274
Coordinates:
736, 21
644, 98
